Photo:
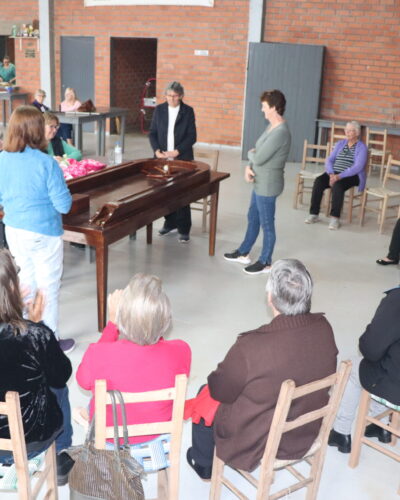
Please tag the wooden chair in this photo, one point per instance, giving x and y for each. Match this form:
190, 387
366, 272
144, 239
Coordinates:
363, 420
314, 457
382, 195
16, 444
336, 135
377, 145
312, 165
210, 157
168, 483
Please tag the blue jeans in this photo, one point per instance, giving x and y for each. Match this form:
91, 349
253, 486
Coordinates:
261, 214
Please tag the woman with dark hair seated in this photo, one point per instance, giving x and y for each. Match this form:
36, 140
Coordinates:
33, 364
394, 248
132, 354
57, 147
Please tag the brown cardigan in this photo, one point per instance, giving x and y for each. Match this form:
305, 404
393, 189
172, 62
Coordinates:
248, 380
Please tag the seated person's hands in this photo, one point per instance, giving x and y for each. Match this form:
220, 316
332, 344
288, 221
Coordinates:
36, 307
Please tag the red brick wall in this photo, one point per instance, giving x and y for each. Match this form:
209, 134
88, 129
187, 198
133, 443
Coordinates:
361, 73
134, 60
214, 85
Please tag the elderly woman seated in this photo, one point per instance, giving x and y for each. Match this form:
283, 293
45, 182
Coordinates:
296, 345
132, 354
57, 147
345, 168
377, 371
33, 364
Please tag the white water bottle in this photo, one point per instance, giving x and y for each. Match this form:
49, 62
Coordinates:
117, 154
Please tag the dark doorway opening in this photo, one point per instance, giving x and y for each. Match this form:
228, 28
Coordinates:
7, 48
133, 62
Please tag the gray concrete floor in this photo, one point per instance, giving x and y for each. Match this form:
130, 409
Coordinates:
213, 301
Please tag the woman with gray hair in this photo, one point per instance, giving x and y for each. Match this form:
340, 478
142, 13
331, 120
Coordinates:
345, 168
172, 135
132, 354
296, 344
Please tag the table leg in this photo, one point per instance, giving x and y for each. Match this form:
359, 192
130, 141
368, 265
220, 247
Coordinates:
4, 113
10, 108
149, 234
213, 221
78, 136
99, 149
102, 135
122, 135
101, 277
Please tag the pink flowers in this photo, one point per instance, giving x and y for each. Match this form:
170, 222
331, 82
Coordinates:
75, 168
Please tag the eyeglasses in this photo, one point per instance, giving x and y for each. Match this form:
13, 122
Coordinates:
174, 96
55, 127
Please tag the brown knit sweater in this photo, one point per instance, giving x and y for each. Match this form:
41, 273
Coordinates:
247, 383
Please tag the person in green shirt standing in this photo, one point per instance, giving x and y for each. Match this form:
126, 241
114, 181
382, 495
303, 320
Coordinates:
57, 147
7, 71
265, 170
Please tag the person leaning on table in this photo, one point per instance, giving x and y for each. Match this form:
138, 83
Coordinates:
296, 344
345, 168
172, 136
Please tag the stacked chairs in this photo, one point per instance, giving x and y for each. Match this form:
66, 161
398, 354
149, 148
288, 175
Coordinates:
376, 141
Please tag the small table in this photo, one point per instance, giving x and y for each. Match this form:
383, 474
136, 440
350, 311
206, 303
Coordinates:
11, 97
78, 118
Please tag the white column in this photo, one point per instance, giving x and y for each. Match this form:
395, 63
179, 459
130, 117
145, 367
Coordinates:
256, 20
47, 80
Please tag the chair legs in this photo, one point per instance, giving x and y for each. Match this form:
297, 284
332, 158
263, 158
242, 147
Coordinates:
360, 428
216, 478
162, 485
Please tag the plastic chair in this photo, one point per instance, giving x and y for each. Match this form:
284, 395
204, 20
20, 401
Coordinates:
168, 483
363, 419
377, 145
280, 424
26, 488
312, 166
211, 158
382, 195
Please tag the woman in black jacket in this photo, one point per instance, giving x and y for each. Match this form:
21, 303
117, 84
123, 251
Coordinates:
33, 364
378, 372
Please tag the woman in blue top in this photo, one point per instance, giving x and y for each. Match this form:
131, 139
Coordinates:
34, 195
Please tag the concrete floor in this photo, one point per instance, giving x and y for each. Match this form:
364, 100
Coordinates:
213, 301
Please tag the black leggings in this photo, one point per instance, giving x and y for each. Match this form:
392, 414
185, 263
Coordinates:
338, 189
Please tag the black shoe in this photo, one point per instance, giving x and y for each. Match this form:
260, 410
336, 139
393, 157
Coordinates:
257, 268
183, 238
383, 262
236, 256
78, 245
203, 472
165, 230
374, 431
341, 441
64, 466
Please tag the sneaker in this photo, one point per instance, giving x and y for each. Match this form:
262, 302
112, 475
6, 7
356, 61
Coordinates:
312, 218
257, 268
165, 230
64, 466
334, 224
237, 257
66, 345
183, 238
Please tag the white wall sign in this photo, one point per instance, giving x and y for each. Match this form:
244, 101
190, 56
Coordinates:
99, 3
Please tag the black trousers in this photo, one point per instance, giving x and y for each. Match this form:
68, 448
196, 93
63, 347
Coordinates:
339, 188
394, 247
203, 442
181, 220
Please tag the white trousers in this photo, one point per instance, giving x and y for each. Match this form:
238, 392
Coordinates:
350, 400
40, 259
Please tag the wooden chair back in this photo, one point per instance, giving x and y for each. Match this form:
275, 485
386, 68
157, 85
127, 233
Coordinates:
376, 141
337, 134
209, 156
389, 173
168, 488
280, 425
16, 445
363, 419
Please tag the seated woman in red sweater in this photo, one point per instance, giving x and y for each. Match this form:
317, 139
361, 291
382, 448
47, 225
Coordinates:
132, 355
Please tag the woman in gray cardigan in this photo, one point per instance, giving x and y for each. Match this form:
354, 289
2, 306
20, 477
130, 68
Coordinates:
265, 170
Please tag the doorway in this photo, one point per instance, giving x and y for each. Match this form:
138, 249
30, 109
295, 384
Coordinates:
133, 62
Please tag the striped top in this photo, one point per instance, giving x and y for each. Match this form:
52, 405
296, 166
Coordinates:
344, 159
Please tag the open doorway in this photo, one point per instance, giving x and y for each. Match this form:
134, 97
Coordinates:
7, 48
133, 62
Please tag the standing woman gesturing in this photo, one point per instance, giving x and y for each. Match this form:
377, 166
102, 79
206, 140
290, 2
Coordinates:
34, 195
265, 171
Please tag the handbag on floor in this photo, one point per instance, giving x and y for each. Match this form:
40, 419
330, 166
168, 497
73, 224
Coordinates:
106, 474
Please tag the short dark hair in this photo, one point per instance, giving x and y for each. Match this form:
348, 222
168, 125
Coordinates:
274, 98
25, 128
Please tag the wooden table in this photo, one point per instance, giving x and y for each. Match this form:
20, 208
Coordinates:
10, 97
140, 201
78, 119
